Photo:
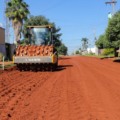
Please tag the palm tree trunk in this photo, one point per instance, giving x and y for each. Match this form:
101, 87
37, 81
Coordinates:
17, 31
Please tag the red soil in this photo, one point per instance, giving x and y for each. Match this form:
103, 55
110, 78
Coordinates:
82, 88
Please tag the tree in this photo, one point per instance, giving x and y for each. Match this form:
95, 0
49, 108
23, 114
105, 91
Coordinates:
17, 11
102, 42
62, 49
84, 44
113, 32
77, 52
42, 20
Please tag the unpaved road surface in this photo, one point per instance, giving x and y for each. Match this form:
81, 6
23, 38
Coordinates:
82, 88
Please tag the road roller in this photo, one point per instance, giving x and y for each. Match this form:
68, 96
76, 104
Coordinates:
40, 54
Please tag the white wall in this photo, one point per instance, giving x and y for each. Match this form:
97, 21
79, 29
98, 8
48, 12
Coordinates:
93, 50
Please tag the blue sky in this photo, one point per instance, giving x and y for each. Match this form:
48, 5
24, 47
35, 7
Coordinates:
76, 18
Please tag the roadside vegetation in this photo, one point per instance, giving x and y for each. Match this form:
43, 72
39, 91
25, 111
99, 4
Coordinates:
7, 64
110, 40
108, 43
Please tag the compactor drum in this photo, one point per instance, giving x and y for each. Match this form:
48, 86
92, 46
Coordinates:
40, 54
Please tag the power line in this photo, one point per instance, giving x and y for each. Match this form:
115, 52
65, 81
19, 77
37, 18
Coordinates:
53, 6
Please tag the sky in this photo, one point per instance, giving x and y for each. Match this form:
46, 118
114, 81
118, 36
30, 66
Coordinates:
77, 19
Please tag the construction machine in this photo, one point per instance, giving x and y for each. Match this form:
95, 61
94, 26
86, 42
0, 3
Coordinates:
40, 54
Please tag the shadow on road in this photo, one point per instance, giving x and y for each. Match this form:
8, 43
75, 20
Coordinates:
59, 68
64, 58
116, 60
62, 67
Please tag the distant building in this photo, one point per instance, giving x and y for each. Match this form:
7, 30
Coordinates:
93, 50
2, 41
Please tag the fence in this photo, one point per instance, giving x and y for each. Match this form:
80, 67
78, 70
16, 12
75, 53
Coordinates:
2, 63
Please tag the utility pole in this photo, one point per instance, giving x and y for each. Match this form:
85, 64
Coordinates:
113, 3
94, 33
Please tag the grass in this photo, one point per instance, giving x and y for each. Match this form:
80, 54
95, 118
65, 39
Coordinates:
7, 66
108, 56
100, 56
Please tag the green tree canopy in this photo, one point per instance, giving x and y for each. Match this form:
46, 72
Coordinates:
102, 42
77, 52
17, 11
113, 30
62, 49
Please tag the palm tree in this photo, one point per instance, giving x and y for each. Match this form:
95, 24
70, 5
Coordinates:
17, 11
84, 44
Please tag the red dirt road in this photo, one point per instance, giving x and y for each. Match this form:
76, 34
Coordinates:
82, 88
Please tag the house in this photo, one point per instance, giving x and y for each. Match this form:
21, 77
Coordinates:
93, 50
2, 41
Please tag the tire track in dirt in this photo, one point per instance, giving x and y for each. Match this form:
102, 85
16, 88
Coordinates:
85, 90
106, 64
108, 91
40, 105
91, 97
73, 97
18, 91
58, 101
52, 103
107, 79
78, 105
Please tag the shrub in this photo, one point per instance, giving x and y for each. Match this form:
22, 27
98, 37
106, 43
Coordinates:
77, 52
108, 51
